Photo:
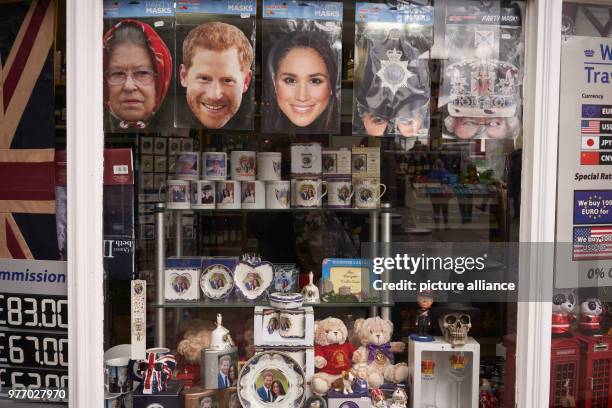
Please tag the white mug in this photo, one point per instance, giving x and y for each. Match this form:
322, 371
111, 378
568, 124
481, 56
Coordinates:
253, 194
214, 165
202, 194
367, 192
339, 192
278, 194
228, 194
177, 194
187, 165
309, 192
269, 166
243, 165
306, 158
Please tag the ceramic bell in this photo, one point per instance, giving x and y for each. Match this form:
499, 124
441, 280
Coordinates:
310, 291
220, 360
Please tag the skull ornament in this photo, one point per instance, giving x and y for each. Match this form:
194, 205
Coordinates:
455, 327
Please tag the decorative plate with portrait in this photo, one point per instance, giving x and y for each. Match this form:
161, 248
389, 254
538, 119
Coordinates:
253, 280
271, 379
217, 281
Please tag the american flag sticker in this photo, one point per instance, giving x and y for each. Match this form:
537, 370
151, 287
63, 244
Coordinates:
590, 126
592, 243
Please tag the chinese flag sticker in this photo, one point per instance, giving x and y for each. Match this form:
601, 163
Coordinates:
589, 158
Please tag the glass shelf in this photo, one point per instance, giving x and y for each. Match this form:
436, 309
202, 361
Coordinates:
286, 210
219, 305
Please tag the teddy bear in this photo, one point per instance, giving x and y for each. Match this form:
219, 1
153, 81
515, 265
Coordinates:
333, 354
377, 350
195, 339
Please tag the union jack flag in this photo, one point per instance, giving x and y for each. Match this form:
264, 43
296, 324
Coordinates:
27, 131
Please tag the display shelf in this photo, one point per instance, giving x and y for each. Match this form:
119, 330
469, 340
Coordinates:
284, 210
170, 305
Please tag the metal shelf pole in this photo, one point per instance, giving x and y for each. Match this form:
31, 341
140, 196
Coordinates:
178, 233
373, 239
385, 238
160, 243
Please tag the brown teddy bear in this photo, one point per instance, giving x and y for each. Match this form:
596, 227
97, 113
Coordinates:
189, 349
333, 354
377, 351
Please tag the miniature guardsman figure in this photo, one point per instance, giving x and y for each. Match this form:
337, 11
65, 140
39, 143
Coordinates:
423, 320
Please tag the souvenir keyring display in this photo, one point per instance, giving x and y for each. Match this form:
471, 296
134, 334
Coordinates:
258, 374
216, 281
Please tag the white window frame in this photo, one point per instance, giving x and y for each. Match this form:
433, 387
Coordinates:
85, 143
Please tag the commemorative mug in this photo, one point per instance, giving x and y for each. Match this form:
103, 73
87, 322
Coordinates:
177, 194
367, 192
202, 194
243, 165
269, 166
116, 375
306, 158
253, 194
309, 192
228, 194
339, 193
278, 194
214, 165
187, 165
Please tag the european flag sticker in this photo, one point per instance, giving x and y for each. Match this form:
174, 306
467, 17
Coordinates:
596, 111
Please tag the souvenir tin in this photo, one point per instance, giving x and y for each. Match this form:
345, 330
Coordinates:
337, 399
339, 192
303, 355
286, 277
253, 278
196, 397
181, 284
281, 300
177, 195
214, 165
309, 192
365, 162
253, 194
228, 194
202, 194
368, 192
278, 194
170, 398
336, 162
156, 370
217, 279
220, 360
280, 367
243, 165
187, 165
269, 166
305, 159
293, 327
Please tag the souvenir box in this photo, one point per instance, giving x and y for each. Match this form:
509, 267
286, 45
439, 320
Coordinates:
337, 399
365, 162
284, 327
336, 162
305, 159
171, 398
182, 279
347, 277
449, 382
303, 355
194, 396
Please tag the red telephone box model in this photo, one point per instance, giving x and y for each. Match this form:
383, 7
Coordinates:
595, 371
564, 370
